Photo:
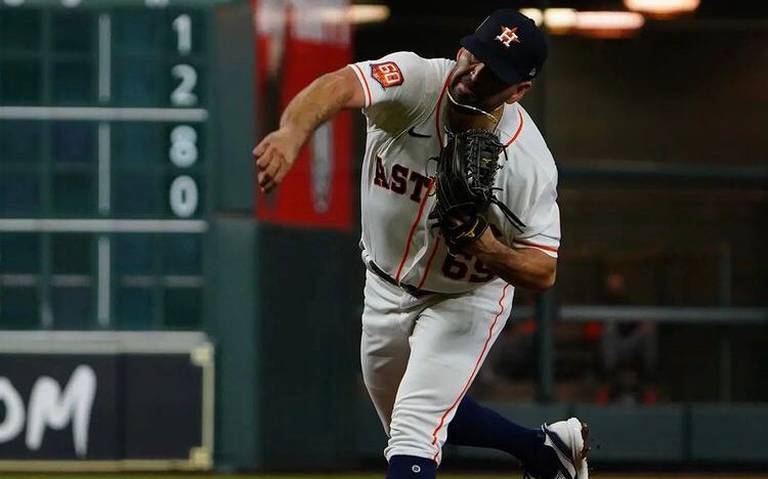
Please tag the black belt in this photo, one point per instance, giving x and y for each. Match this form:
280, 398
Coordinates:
412, 290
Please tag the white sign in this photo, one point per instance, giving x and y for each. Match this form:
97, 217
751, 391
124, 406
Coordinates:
49, 406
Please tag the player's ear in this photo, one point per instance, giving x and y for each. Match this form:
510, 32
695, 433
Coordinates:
518, 91
461, 52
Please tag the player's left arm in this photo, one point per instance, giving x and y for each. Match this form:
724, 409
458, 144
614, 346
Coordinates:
528, 268
526, 258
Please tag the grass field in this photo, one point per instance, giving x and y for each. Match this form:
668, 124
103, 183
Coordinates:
594, 474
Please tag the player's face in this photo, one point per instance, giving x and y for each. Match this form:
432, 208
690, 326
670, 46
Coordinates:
474, 84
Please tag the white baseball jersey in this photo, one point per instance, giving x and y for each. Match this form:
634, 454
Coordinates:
405, 108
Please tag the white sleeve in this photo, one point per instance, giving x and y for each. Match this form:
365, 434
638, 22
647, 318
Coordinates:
394, 88
542, 223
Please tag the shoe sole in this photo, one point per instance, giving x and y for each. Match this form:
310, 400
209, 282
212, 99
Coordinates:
583, 471
585, 438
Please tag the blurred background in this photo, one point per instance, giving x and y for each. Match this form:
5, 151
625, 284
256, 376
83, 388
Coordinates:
156, 313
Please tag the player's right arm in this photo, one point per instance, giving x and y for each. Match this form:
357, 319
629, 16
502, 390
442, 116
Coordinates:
392, 91
311, 107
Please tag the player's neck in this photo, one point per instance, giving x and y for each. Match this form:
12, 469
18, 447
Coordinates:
461, 121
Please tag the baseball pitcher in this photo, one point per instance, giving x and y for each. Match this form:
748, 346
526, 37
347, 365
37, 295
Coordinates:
458, 195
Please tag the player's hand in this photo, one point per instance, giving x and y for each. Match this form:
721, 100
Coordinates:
484, 244
275, 155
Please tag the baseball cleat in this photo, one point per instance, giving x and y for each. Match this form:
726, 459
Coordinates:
570, 440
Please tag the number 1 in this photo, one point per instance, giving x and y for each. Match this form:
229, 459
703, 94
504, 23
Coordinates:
183, 26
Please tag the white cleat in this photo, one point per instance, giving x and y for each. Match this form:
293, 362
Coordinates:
570, 440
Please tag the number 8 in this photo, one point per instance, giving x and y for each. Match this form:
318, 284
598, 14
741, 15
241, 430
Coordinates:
183, 152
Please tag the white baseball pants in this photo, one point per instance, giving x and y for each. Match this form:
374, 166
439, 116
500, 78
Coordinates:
420, 355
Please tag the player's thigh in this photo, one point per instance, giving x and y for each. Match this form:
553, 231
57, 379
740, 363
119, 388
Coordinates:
387, 324
459, 331
384, 347
449, 343
383, 363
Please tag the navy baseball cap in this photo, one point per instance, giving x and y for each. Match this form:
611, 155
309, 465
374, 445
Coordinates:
510, 44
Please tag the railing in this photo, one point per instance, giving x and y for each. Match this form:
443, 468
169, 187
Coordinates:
661, 314
547, 313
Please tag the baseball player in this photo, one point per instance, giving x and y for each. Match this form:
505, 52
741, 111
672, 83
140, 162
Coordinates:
434, 305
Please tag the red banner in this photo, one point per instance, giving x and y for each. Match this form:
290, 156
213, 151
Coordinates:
296, 42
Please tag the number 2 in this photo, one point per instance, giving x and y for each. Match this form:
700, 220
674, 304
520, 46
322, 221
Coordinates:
183, 95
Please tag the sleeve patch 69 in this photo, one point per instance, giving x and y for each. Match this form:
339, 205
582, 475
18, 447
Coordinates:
387, 74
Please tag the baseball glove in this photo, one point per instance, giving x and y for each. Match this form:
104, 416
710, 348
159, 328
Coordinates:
465, 178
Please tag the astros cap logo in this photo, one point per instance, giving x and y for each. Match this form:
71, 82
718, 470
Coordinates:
508, 36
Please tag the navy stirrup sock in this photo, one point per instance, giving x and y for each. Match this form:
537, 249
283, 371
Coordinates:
478, 426
411, 467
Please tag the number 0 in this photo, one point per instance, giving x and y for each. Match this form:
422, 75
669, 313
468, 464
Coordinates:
184, 196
